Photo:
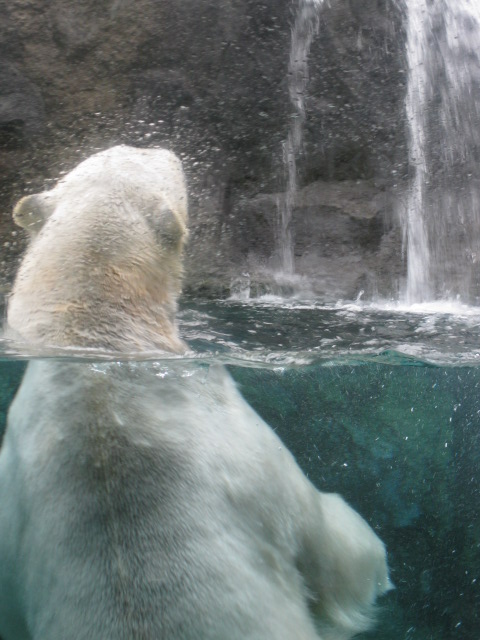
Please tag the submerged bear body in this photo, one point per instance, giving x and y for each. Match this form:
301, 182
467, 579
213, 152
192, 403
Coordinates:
163, 507
146, 501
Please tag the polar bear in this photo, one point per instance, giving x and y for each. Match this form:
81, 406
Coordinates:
149, 500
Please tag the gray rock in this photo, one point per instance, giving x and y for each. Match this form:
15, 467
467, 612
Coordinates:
341, 239
208, 79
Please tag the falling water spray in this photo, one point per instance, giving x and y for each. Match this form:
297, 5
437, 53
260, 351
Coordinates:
442, 221
304, 30
416, 239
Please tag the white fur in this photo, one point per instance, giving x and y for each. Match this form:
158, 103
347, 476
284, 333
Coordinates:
104, 265
139, 502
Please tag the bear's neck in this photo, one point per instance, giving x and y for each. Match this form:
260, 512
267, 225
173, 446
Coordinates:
139, 319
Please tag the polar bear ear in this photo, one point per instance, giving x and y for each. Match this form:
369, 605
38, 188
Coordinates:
31, 212
170, 228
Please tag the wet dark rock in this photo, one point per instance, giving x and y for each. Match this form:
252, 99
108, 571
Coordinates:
21, 107
339, 229
209, 80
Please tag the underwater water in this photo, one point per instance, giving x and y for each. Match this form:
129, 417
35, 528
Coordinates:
378, 403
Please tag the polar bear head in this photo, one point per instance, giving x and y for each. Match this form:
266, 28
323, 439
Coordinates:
104, 264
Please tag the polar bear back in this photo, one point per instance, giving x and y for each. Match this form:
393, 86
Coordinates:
163, 506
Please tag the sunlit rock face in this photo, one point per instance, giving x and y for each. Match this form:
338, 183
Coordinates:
209, 80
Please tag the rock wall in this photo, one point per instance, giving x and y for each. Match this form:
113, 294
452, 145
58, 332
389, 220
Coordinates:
208, 79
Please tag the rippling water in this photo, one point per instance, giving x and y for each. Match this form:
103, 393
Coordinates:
270, 330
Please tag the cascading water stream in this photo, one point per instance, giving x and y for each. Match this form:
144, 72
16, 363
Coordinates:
442, 221
418, 254
304, 30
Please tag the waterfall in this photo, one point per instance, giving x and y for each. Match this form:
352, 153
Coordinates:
304, 29
418, 254
442, 220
